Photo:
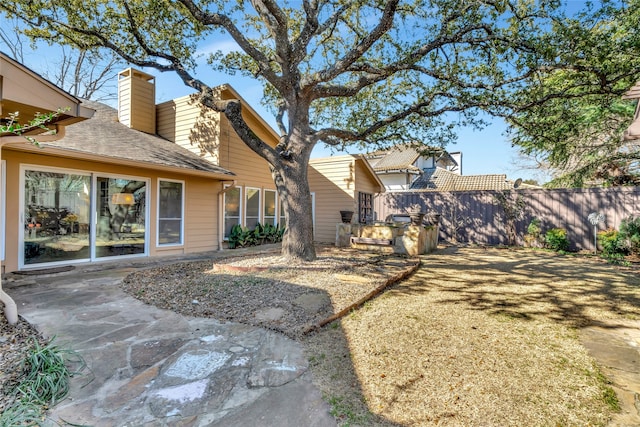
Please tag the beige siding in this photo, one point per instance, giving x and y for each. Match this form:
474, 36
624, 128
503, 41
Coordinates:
136, 100
28, 93
365, 182
251, 170
188, 124
332, 179
209, 134
201, 215
200, 218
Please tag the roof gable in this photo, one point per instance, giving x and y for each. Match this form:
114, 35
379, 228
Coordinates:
404, 157
397, 157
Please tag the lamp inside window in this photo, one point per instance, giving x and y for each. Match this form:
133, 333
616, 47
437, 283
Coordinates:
123, 199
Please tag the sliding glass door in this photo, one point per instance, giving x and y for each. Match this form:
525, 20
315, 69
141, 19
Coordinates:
56, 217
77, 216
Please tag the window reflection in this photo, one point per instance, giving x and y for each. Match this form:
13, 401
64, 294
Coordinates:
121, 228
170, 213
231, 209
56, 217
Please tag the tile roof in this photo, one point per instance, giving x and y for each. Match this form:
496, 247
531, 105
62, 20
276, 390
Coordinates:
438, 179
397, 157
104, 136
401, 157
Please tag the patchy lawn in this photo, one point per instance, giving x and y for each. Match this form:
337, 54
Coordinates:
478, 337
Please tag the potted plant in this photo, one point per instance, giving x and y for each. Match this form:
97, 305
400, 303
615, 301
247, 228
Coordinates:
346, 216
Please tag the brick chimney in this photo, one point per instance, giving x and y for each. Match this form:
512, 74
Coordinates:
137, 100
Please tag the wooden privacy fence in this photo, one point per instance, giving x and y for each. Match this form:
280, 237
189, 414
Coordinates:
478, 217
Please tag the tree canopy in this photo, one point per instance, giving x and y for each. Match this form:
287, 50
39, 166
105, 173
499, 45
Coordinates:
570, 116
340, 72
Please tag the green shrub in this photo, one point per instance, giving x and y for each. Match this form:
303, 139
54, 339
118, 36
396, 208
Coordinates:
534, 237
612, 243
630, 233
240, 236
556, 239
273, 233
534, 229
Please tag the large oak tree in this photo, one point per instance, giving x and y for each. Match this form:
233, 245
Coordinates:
338, 72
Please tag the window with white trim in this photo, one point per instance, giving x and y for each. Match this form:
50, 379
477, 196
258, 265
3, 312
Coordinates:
269, 211
170, 212
281, 219
232, 209
252, 212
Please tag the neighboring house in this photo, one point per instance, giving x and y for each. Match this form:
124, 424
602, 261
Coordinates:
25, 92
399, 166
438, 179
341, 183
154, 179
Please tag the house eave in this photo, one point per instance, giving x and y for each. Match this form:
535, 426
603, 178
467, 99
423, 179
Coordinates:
79, 155
403, 171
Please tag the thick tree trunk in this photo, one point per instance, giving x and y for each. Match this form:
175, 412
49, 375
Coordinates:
289, 161
293, 188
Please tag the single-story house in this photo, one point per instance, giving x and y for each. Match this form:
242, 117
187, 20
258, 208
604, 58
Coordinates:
110, 188
150, 179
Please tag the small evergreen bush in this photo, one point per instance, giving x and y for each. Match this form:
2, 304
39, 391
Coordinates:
556, 239
534, 237
612, 243
534, 227
630, 233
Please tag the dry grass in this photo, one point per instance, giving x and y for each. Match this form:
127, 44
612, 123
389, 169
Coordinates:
477, 338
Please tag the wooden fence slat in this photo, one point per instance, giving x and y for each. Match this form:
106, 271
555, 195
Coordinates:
480, 220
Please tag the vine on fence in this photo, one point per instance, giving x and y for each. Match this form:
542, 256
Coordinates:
513, 208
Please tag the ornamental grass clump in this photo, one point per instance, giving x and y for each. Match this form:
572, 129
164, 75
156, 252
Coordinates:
45, 380
47, 375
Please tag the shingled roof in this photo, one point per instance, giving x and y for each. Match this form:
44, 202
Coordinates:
438, 179
113, 142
